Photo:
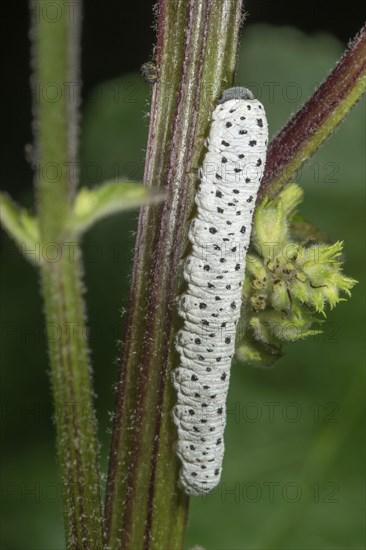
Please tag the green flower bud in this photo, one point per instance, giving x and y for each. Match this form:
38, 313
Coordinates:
286, 282
269, 229
299, 289
290, 199
255, 267
279, 297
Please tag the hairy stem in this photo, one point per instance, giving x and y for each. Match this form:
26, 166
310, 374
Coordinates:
195, 58
317, 119
55, 86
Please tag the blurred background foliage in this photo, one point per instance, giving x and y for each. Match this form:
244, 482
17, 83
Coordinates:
294, 463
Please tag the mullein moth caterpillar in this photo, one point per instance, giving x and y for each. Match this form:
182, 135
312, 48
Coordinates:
231, 172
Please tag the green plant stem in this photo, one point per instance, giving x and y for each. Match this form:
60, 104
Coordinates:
55, 64
317, 119
195, 58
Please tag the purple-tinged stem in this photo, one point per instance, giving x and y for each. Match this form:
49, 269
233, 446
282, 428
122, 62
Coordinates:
195, 58
317, 119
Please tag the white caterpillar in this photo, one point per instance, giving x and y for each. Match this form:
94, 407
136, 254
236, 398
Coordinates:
230, 176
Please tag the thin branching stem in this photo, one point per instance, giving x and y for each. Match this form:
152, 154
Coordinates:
55, 86
317, 119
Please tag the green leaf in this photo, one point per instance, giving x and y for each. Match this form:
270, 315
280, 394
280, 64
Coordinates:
92, 205
19, 224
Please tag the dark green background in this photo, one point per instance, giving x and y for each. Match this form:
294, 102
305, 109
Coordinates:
294, 465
